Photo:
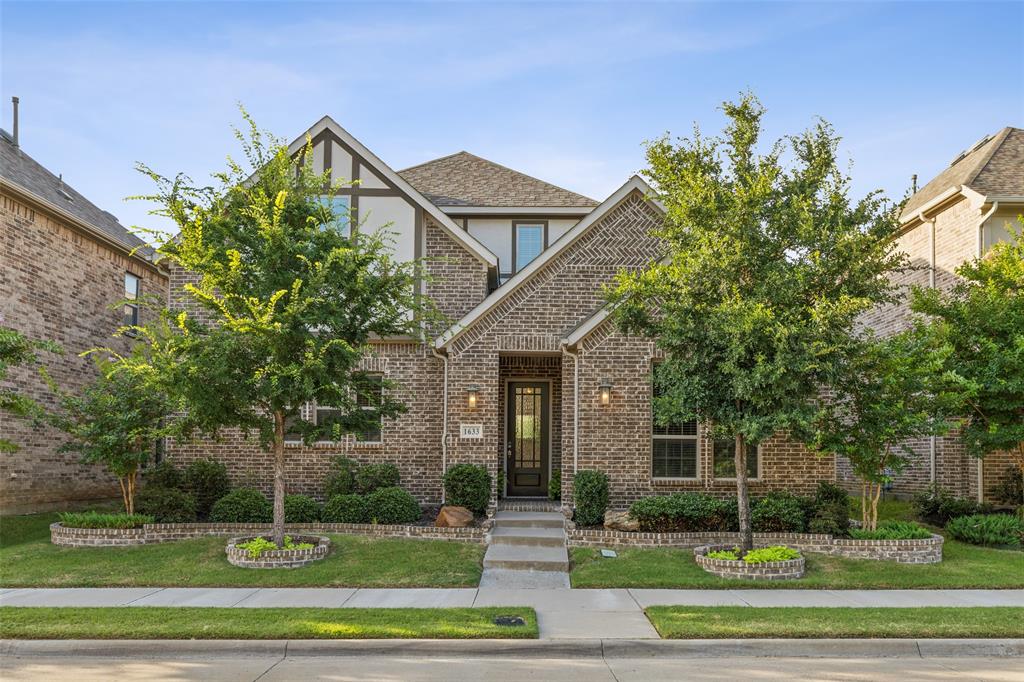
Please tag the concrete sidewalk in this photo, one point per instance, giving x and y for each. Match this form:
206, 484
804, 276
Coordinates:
561, 613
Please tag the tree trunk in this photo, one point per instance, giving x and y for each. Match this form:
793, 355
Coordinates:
124, 494
874, 506
278, 530
743, 496
864, 505
130, 497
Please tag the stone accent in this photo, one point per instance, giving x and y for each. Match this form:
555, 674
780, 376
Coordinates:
927, 551
168, 532
621, 520
58, 283
279, 558
769, 570
454, 517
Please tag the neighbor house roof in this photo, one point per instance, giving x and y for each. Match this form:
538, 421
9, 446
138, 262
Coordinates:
463, 179
994, 166
29, 177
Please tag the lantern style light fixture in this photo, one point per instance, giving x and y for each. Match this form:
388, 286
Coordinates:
606, 392
472, 392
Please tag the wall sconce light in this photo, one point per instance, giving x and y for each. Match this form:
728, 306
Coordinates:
471, 395
606, 391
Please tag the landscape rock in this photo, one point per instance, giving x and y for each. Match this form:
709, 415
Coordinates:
614, 520
454, 517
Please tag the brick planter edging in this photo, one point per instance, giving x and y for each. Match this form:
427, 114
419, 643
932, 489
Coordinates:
927, 551
279, 558
726, 568
167, 532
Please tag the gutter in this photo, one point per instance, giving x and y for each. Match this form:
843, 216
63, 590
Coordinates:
979, 252
444, 419
932, 440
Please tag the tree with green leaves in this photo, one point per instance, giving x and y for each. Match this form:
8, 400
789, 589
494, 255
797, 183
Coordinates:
768, 263
289, 295
115, 421
982, 318
891, 390
17, 350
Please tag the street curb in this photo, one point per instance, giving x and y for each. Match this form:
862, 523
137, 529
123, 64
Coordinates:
582, 648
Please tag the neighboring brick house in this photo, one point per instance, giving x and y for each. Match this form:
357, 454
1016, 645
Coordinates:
64, 263
958, 216
531, 377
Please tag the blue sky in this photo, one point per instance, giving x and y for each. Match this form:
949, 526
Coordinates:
566, 92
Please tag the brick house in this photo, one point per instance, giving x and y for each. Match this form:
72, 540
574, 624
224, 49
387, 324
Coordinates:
529, 377
959, 215
64, 264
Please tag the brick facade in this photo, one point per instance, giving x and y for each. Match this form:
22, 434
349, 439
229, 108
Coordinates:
57, 283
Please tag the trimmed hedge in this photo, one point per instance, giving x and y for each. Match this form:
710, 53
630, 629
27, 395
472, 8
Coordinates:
207, 480
243, 505
392, 505
779, 512
990, 530
469, 486
376, 476
166, 505
684, 513
590, 496
341, 478
301, 509
345, 509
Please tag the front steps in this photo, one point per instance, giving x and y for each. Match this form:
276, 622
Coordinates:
528, 541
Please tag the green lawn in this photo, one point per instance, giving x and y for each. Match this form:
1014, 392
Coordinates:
744, 622
285, 623
27, 559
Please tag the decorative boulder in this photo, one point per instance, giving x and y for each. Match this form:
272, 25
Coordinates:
614, 520
454, 517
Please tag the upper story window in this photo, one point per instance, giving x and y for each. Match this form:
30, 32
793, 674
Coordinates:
131, 295
725, 459
528, 242
998, 229
673, 448
341, 206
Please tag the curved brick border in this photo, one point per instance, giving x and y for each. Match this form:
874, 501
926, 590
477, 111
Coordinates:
928, 551
279, 558
168, 532
769, 570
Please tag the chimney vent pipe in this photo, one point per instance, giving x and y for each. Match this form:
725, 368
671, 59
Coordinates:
14, 124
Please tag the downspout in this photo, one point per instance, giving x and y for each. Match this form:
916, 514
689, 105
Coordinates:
979, 253
931, 284
444, 418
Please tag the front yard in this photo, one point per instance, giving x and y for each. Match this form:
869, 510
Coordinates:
27, 559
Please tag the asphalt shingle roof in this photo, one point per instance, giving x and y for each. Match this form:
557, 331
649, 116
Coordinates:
463, 179
993, 166
22, 170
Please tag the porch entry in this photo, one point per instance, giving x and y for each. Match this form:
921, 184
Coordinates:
527, 438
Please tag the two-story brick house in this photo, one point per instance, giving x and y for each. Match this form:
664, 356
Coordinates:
64, 266
958, 216
529, 377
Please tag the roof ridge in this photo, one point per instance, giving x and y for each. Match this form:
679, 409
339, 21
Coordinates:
997, 143
440, 158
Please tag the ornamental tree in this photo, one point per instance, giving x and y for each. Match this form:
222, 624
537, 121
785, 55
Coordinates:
768, 262
891, 390
982, 318
17, 350
286, 297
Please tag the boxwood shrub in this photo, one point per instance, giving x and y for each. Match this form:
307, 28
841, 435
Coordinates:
590, 495
207, 480
345, 509
684, 513
94, 519
469, 486
778, 512
341, 478
392, 505
166, 505
301, 509
376, 476
992, 530
243, 505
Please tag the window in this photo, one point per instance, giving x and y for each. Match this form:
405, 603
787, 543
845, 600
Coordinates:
341, 207
997, 230
131, 295
673, 448
725, 459
529, 243
369, 397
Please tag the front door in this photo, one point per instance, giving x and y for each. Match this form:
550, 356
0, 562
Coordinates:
527, 438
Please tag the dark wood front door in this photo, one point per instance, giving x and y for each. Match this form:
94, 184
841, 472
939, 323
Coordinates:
527, 438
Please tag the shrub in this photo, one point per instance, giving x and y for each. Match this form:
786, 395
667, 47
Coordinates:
469, 486
683, 513
726, 554
590, 494
166, 505
301, 509
892, 530
94, 519
830, 493
376, 476
832, 518
775, 553
778, 512
345, 509
243, 505
555, 486
1010, 489
341, 478
208, 482
392, 505
163, 475
992, 530
936, 506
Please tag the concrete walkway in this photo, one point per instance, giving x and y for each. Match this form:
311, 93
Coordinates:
561, 614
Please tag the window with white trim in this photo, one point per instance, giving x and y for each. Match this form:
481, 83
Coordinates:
724, 459
529, 243
674, 447
131, 295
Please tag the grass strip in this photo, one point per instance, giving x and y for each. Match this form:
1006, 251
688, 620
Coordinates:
276, 623
744, 622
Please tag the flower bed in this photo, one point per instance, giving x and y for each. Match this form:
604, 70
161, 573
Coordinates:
789, 569
278, 558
